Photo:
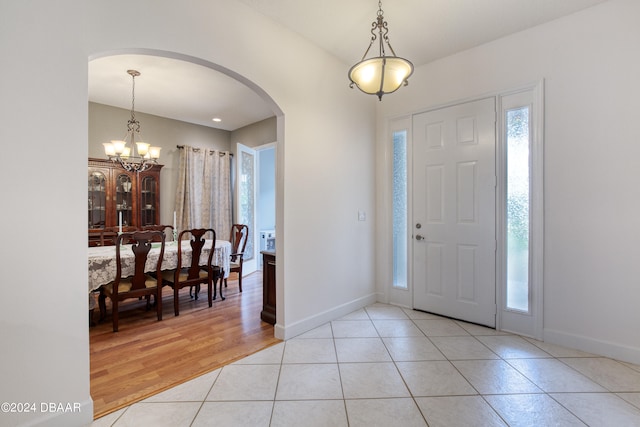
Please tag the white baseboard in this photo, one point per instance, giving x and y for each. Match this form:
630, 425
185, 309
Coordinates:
294, 329
609, 349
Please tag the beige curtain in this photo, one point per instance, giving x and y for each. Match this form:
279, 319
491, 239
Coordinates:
203, 195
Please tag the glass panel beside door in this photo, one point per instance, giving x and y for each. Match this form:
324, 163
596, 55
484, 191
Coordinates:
517, 126
521, 219
400, 230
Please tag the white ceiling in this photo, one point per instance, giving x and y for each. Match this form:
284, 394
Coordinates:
419, 30
175, 89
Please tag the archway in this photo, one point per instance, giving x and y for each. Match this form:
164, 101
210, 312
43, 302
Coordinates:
214, 69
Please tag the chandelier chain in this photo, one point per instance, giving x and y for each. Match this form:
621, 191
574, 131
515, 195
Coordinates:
140, 156
133, 97
133, 125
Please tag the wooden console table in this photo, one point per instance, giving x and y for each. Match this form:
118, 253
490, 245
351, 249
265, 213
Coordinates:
268, 313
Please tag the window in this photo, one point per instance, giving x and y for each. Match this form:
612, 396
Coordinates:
517, 215
400, 209
521, 215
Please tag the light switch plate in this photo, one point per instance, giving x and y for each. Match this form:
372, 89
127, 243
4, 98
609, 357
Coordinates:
362, 216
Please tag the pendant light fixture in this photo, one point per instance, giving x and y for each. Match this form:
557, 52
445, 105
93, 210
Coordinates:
139, 156
380, 74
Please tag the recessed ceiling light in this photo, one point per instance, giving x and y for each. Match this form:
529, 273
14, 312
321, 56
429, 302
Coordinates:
216, 119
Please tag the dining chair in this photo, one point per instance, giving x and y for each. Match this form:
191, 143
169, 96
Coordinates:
108, 238
191, 273
95, 238
138, 284
110, 234
166, 229
238, 239
102, 237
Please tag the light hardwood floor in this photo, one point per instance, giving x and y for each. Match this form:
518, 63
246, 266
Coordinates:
147, 356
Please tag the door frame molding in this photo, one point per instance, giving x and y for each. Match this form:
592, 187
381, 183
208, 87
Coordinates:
537, 206
395, 295
254, 263
530, 324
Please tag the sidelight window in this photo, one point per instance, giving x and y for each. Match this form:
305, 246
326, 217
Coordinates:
400, 209
518, 201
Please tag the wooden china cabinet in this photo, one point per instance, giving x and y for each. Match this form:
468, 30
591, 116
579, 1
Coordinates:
113, 192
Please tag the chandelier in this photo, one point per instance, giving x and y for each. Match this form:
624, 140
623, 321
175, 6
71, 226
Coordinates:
140, 156
381, 74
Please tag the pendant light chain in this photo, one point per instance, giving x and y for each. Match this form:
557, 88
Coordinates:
133, 124
139, 156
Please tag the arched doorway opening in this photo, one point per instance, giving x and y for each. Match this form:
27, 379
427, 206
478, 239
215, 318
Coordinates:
106, 122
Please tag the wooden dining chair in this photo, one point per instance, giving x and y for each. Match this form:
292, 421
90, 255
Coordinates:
110, 234
238, 239
102, 237
138, 285
193, 274
166, 229
95, 238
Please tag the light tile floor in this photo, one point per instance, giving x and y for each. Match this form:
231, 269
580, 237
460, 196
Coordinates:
387, 366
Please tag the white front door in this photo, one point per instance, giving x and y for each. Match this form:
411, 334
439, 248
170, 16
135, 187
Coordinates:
454, 199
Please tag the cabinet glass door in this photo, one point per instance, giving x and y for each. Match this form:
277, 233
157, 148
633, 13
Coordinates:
97, 200
124, 200
148, 206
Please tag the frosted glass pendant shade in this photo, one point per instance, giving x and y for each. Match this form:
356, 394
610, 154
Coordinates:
380, 75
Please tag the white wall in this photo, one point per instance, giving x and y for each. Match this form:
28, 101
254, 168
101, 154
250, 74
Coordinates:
256, 134
590, 65
325, 174
43, 309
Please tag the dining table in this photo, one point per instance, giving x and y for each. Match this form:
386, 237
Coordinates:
102, 261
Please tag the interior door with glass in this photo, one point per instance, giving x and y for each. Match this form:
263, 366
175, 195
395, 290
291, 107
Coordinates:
453, 199
246, 166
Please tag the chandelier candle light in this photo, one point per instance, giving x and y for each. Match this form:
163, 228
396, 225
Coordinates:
381, 74
140, 156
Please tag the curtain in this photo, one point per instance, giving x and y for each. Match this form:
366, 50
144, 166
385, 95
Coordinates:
203, 195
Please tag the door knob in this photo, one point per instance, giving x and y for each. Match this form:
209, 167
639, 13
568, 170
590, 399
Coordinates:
419, 237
